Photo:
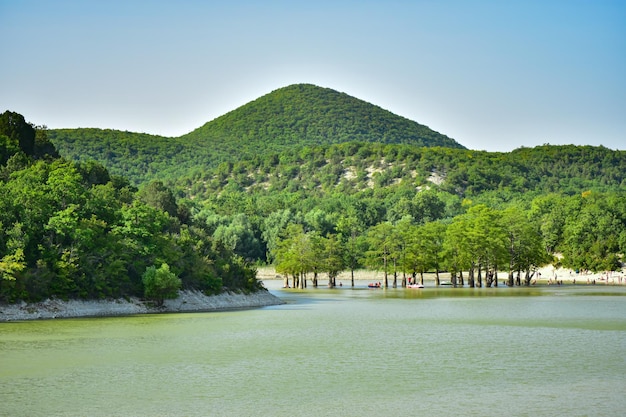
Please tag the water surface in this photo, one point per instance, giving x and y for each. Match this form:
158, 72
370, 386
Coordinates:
349, 352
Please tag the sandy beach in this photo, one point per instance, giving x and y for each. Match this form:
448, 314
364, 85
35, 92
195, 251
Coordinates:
546, 276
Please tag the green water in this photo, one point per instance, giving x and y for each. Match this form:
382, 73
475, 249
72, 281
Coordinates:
471, 352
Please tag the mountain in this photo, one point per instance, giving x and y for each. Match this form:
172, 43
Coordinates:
297, 115
307, 114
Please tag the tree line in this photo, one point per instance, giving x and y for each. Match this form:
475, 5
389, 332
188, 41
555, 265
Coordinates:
586, 232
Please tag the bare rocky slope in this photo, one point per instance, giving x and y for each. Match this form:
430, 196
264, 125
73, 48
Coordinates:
188, 301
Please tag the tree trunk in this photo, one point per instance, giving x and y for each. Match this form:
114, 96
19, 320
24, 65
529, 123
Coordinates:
461, 280
437, 282
385, 281
511, 281
395, 274
352, 276
479, 278
470, 277
422, 277
489, 275
528, 278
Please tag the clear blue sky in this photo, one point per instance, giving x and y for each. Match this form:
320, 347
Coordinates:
494, 75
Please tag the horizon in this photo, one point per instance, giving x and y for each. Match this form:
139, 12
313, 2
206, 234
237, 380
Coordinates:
491, 76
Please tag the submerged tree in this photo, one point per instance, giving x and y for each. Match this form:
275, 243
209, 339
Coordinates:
381, 243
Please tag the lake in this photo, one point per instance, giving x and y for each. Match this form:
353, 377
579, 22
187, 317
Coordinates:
333, 352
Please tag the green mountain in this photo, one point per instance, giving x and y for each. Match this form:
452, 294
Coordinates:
297, 115
307, 114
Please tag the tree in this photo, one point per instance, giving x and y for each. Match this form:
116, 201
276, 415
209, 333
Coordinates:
380, 242
160, 284
428, 206
13, 261
273, 226
333, 258
351, 229
524, 246
431, 238
43, 147
238, 236
414, 260
591, 237
157, 195
15, 127
294, 254
458, 249
8, 148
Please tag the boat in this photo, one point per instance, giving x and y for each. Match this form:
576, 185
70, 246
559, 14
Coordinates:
415, 286
445, 283
374, 285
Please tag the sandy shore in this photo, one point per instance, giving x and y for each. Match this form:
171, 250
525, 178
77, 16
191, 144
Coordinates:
188, 301
546, 276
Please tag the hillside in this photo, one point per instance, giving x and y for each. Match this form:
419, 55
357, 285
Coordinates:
298, 115
569, 200
361, 170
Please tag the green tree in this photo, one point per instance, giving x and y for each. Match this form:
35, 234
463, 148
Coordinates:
429, 239
414, 261
459, 252
157, 195
239, 237
333, 258
524, 246
16, 128
8, 148
294, 254
13, 260
272, 228
160, 284
350, 228
591, 237
428, 206
380, 240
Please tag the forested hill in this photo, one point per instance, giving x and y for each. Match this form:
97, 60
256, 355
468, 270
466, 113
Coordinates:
307, 114
297, 115
388, 171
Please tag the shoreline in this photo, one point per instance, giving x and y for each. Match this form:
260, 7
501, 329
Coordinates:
188, 302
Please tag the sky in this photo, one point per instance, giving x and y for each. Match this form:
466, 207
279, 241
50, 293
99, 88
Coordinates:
493, 75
